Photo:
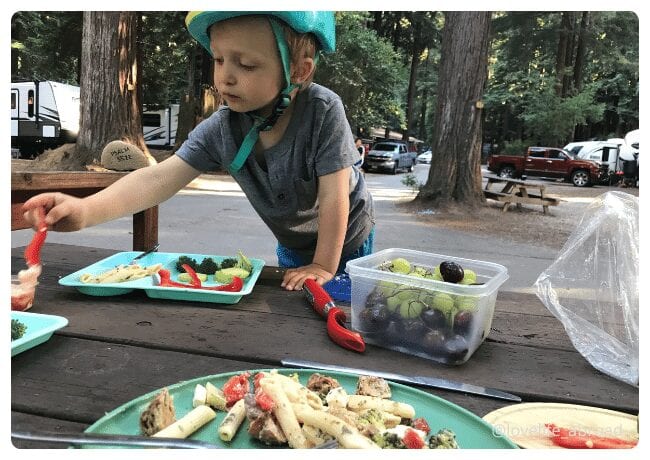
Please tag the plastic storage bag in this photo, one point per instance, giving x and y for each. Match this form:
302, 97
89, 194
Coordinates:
592, 287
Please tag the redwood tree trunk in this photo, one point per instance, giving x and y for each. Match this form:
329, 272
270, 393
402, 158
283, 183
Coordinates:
111, 107
455, 173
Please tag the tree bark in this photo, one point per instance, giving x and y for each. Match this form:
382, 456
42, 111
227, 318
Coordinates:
581, 52
110, 105
455, 173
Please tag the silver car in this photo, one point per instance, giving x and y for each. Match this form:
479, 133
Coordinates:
389, 155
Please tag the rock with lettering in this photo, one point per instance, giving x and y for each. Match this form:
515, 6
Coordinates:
122, 156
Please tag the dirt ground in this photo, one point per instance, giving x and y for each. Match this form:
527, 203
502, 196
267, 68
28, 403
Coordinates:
527, 224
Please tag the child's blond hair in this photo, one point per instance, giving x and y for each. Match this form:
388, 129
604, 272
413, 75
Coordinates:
301, 46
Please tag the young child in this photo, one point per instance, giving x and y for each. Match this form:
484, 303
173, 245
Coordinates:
285, 140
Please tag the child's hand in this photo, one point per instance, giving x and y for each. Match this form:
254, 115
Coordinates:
295, 277
64, 213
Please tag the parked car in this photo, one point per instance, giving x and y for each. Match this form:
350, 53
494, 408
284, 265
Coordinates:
549, 162
424, 157
389, 155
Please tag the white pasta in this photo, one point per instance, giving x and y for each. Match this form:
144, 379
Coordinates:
120, 274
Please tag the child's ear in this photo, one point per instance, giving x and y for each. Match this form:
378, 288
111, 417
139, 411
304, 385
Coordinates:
302, 70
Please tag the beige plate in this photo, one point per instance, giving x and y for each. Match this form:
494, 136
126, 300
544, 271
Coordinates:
524, 423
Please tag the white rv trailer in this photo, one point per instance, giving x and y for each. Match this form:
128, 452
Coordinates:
46, 114
159, 126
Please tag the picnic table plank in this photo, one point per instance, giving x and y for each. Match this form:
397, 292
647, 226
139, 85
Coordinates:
124, 372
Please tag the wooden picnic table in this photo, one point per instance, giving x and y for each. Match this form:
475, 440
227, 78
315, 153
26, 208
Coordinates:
27, 184
117, 348
516, 191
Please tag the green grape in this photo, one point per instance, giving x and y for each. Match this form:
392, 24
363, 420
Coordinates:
469, 303
444, 303
386, 288
469, 277
410, 309
392, 303
400, 265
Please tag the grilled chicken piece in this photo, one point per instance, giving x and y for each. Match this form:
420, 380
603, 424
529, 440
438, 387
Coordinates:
159, 414
373, 386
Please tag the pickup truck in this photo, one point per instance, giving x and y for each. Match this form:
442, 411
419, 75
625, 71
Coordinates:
549, 162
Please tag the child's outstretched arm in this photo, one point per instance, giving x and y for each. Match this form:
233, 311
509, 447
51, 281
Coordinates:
133, 193
334, 209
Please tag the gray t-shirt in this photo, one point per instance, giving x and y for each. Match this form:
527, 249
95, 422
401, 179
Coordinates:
317, 141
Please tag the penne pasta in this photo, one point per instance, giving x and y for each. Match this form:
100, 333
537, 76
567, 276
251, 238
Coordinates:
120, 274
234, 418
187, 425
296, 392
346, 434
361, 403
284, 413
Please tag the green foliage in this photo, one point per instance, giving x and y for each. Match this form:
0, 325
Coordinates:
46, 46
552, 118
166, 47
517, 147
366, 72
409, 180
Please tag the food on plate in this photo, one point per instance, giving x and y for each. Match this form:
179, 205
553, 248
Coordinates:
24, 284
164, 279
233, 420
188, 424
159, 414
226, 275
280, 411
121, 274
573, 438
223, 272
443, 439
377, 387
186, 278
18, 329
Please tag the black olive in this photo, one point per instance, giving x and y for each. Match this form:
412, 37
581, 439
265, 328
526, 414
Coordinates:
374, 319
435, 319
463, 322
451, 272
433, 342
456, 347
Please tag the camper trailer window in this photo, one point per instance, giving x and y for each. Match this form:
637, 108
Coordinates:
151, 119
30, 103
13, 101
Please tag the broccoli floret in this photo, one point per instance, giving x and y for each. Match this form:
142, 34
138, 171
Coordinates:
443, 439
228, 263
372, 417
244, 263
388, 440
17, 329
207, 266
186, 260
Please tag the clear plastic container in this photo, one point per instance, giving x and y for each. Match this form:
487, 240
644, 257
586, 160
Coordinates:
419, 315
22, 294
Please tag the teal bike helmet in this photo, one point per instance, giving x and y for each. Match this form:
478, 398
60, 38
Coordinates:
319, 23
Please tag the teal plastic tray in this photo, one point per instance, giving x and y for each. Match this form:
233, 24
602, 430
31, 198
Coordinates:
39, 329
168, 261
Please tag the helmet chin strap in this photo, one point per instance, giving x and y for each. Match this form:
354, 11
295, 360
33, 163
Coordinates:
282, 102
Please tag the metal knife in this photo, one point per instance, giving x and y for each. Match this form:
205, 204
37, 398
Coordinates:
97, 439
431, 382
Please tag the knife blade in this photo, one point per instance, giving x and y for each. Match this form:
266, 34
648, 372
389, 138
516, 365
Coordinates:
99, 439
421, 380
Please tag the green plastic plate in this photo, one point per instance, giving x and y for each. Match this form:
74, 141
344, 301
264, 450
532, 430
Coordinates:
40, 328
147, 284
471, 431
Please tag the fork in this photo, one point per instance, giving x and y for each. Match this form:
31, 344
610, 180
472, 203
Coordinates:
140, 256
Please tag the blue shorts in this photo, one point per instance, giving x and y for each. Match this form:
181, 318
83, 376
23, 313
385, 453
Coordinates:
288, 258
